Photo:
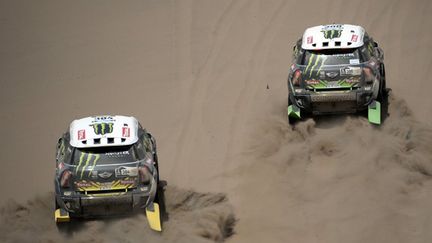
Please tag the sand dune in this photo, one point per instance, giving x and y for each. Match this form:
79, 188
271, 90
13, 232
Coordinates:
195, 73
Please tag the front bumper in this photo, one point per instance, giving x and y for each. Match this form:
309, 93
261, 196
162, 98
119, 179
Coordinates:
80, 205
333, 102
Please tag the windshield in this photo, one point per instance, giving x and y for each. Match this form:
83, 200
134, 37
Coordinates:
106, 155
318, 58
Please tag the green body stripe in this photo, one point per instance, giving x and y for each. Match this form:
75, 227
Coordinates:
97, 156
313, 67
324, 58
80, 162
309, 62
89, 156
62, 147
333, 32
110, 127
103, 128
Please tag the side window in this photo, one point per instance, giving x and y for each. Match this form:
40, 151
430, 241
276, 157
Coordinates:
60, 150
140, 150
365, 54
370, 47
295, 53
147, 143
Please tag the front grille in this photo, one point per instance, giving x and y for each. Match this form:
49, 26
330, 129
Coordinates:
329, 97
105, 191
334, 89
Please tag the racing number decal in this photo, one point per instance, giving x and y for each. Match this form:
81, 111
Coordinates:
102, 128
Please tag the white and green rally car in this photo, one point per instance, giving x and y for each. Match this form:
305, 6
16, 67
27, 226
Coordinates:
106, 165
336, 68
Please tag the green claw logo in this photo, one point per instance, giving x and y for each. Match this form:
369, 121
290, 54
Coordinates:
330, 34
102, 128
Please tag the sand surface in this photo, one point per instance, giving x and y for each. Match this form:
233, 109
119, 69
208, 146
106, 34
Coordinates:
195, 73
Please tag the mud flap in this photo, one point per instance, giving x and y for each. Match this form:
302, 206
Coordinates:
374, 113
61, 216
153, 216
294, 112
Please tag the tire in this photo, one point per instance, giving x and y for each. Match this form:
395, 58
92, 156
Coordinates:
382, 93
291, 120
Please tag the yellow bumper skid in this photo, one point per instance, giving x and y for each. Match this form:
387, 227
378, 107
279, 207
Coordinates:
61, 216
153, 216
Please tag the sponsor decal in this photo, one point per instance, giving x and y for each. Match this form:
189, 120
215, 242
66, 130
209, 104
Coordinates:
102, 128
105, 185
354, 38
312, 82
332, 31
309, 39
117, 154
93, 174
322, 74
104, 119
347, 71
83, 184
81, 134
354, 61
126, 171
126, 132
127, 182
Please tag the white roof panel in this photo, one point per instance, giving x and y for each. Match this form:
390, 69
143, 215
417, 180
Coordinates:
333, 36
102, 131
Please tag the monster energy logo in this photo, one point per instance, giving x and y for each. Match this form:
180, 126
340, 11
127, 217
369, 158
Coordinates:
102, 128
85, 162
316, 64
330, 34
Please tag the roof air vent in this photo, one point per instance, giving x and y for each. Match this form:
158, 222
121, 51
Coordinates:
110, 140
96, 141
337, 43
325, 44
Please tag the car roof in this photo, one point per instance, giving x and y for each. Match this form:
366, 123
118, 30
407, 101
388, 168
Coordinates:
103, 131
333, 36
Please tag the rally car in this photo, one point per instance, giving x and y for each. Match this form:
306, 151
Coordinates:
336, 68
106, 165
